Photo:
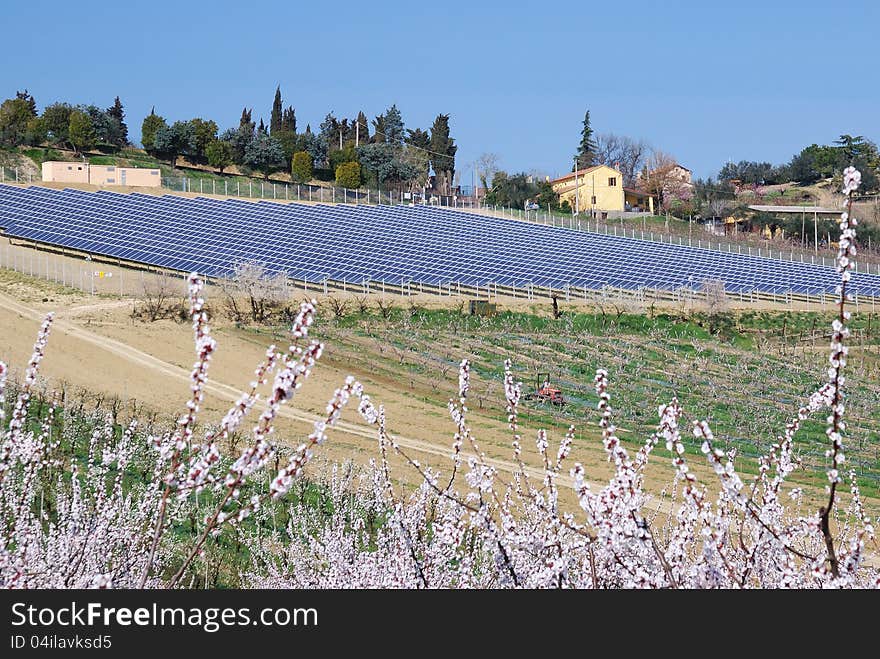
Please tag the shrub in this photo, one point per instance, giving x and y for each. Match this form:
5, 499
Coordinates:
302, 167
348, 175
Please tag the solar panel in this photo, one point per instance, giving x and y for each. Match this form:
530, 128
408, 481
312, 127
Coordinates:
397, 245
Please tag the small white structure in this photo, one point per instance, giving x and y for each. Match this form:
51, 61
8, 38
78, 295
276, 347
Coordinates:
102, 175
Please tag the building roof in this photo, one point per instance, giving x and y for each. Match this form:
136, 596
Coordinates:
794, 209
581, 172
637, 193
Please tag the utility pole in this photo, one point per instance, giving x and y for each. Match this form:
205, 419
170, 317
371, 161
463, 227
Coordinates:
816, 229
577, 193
474, 182
357, 133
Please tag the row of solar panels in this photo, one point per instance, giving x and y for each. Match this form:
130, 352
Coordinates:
394, 244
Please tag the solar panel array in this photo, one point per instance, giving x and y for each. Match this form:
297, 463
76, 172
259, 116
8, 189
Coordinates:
393, 244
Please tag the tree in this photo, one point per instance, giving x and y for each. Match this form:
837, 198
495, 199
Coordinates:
379, 129
302, 167
242, 137
57, 119
815, 163
204, 133
81, 132
108, 132
219, 154
487, 165
286, 133
29, 99
340, 156
151, 125
117, 113
264, 154
377, 158
512, 191
172, 141
315, 145
329, 133
417, 167
547, 198
277, 116
419, 138
263, 289
14, 117
392, 126
623, 153
586, 153
443, 149
36, 132
288, 120
862, 154
348, 175
753, 173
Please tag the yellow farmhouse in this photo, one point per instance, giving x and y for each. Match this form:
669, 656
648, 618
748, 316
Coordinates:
599, 190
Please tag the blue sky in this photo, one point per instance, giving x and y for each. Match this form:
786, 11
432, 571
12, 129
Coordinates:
704, 81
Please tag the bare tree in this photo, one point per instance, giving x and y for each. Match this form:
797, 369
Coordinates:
717, 301
263, 290
719, 206
386, 308
487, 167
159, 297
338, 307
623, 153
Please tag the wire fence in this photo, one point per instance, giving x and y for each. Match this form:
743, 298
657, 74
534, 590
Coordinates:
17, 175
308, 192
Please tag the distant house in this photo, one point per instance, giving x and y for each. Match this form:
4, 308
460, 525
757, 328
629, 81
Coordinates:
599, 190
682, 174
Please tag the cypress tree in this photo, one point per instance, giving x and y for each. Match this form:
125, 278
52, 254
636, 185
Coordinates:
276, 120
586, 154
379, 129
117, 112
288, 120
443, 150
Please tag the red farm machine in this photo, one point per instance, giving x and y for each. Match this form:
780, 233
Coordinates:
545, 392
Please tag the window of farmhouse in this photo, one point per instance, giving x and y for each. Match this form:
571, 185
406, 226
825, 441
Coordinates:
612, 181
